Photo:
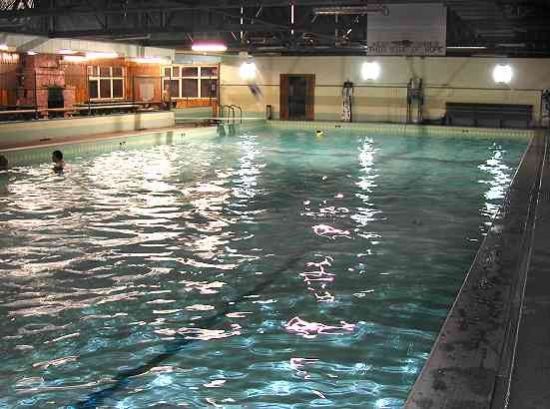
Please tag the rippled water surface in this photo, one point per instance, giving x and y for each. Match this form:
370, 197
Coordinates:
267, 270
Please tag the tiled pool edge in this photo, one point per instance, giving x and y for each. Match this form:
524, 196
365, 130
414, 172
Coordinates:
30, 154
405, 129
40, 152
470, 363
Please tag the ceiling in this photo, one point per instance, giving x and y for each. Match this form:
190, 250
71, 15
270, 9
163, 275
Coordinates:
490, 27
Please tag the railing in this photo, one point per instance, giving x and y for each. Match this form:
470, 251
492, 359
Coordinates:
231, 115
240, 113
230, 112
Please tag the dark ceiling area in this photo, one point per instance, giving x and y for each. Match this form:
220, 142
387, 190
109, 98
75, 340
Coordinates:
487, 27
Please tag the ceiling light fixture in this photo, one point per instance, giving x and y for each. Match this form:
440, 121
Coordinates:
466, 47
209, 47
350, 10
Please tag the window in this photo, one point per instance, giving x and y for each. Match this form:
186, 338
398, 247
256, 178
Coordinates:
186, 81
106, 82
189, 88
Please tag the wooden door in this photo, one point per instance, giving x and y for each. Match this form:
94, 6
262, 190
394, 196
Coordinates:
284, 95
283, 99
310, 97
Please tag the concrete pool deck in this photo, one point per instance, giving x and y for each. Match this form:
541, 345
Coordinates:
492, 351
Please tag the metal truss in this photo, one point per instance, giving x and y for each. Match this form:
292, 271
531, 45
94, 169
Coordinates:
518, 26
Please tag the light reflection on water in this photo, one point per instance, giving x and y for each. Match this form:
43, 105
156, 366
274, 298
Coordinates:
130, 252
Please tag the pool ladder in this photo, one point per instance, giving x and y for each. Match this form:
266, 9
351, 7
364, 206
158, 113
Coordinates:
228, 126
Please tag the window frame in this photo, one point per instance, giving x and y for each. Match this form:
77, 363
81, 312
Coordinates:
92, 77
199, 77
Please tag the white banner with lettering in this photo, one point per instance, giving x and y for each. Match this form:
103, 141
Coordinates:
419, 29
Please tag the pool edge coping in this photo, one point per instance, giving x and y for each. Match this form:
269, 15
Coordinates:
459, 372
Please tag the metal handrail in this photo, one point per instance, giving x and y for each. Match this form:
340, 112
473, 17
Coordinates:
230, 110
240, 112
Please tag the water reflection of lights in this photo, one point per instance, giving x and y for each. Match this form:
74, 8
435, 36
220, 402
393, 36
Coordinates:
210, 199
367, 183
249, 169
317, 279
312, 329
497, 181
300, 364
206, 217
330, 232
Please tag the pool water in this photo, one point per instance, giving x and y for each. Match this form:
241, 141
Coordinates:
272, 269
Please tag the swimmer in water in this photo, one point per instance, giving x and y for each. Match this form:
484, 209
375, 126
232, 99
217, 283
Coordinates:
319, 133
58, 162
3, 175
3, 163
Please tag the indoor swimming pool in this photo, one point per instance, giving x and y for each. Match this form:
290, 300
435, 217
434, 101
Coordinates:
270, 269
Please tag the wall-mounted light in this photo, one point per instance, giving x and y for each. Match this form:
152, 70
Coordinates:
209, 47
466, 47
31, 53
502, 74
97, 55
370, 71
248, 70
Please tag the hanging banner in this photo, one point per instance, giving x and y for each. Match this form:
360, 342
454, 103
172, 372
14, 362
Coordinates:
408, 29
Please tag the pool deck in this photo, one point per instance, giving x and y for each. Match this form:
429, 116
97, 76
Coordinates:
493, 350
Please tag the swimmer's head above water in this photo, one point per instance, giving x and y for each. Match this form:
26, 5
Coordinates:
319, 133
3, 163
58, 162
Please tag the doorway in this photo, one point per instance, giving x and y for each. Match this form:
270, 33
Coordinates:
297, 97
55, 97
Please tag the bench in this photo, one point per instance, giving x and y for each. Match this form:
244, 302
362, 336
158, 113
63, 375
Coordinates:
489, 115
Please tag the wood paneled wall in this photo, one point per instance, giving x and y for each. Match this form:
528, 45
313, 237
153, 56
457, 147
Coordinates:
143, 82
8, 80
135, 75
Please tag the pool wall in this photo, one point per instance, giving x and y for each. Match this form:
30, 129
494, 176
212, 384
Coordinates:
72, 147
13, 134
29, 155
400, 129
